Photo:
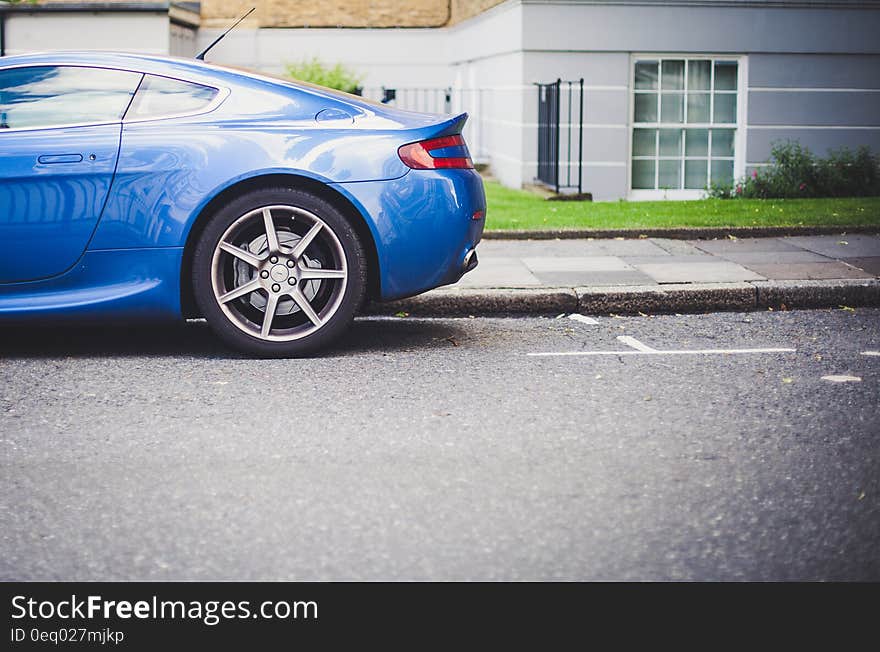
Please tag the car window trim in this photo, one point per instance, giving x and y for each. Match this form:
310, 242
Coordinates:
222, 94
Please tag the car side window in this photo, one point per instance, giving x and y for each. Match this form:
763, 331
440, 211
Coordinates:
52, 96
161, 96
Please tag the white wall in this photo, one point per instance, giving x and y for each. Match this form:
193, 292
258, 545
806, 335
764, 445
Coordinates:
481, 59
486, 55
146, 32
390, 57
182, 41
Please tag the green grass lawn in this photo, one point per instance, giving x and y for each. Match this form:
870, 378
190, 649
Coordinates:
519, 209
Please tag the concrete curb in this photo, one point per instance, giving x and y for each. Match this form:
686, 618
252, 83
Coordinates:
689, 298
701, 233
817, 294
675, 298
468, 301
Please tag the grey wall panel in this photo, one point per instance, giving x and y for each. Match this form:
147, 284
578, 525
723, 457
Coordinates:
819, 141
607, 145
529, 96
600, 145
720, 3
640, 28
146, 32
597, 69
814, 70
605, 107
806, 108
606, 183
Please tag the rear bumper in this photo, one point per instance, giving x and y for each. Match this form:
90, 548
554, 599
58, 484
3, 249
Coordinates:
423, 227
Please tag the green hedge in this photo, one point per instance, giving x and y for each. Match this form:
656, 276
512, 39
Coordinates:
795, 172
314, 71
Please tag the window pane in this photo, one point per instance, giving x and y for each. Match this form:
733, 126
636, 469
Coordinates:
670, 174
160, 96
722, 173
725, 75
722, 142
697, 142
646, 107
44, 96
672, 107
644, 143
695, 174
670, 142
646, 75
673, 76
643, 175
725, 108
699, 75
698, 107
684, 93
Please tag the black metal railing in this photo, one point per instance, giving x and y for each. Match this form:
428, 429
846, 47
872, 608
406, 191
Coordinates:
559, 165
428, 100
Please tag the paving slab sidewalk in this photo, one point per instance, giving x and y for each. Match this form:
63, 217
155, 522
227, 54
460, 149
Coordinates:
659, 275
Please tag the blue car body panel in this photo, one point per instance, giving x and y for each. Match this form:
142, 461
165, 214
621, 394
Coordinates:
110, 231
424, 221
52, 196
141, 284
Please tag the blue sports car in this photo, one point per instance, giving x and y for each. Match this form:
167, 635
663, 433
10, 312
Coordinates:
141, 187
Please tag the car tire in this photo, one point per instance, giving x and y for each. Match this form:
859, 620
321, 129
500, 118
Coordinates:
310, 272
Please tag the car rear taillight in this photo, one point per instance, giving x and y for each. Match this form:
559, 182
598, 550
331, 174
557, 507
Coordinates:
437, 153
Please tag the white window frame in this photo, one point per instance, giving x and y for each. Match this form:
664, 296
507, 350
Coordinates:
739, 159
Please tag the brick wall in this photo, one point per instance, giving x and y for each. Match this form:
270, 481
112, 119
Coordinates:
24, 3
344, 13
463, 9
329, 13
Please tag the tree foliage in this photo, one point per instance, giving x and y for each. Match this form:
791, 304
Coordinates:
314, 71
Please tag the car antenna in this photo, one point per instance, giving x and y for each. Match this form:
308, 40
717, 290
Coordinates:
201, 55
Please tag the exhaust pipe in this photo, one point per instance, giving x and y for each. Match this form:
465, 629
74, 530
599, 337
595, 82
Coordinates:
470, 261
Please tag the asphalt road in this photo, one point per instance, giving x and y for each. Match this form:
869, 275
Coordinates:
439, 449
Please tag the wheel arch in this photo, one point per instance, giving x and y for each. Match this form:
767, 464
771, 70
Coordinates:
340, 202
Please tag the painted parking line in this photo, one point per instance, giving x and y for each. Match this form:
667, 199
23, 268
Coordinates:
638, 348
842, 379
873, 354
583, 319
634, 343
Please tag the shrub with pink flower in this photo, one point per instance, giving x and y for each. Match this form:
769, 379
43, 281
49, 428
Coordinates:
794, 171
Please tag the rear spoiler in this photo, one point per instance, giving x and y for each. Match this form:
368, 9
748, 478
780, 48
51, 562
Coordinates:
450, 127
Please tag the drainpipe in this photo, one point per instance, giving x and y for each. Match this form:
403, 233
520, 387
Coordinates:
2, 33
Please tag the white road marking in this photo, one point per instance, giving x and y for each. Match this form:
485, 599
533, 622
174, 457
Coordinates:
410, 318
644, 349
583, 319
842, 379
634, 343
871, 353
692, 352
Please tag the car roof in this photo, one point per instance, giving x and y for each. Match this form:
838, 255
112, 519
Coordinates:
105, 58
192, 69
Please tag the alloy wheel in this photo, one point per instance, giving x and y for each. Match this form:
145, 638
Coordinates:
279, 273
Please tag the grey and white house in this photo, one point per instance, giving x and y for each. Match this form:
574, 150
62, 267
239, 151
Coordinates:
677, 95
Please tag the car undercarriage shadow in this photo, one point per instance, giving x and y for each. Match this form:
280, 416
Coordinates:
195, 339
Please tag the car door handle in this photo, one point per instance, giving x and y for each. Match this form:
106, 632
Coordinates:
60, 158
